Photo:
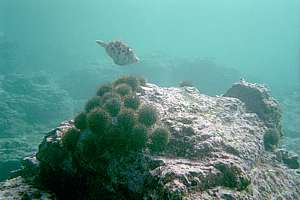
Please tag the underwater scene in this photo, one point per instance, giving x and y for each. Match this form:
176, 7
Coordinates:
152, 100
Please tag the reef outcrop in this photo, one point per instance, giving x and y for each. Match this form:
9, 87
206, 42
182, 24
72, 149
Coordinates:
258, 100
216, 151
30, 104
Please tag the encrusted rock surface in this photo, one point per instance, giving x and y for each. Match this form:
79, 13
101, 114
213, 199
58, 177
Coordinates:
18, 188
290, 159
216, 151
258, 100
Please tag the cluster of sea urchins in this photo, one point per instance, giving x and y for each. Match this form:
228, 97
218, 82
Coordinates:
114, 121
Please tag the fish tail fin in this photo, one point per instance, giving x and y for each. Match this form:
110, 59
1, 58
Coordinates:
101, 43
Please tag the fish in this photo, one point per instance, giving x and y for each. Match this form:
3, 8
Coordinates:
120, 52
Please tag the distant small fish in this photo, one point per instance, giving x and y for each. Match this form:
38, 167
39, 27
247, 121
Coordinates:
120, 52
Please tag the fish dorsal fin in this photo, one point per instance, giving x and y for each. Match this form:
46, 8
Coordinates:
101, 43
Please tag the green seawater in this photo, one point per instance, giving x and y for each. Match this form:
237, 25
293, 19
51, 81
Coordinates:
48, 47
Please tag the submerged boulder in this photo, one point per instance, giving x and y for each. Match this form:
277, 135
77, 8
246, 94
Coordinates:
215, 151
257, 99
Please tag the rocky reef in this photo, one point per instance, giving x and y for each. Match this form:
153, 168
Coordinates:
291, 107
29, 104
216, 150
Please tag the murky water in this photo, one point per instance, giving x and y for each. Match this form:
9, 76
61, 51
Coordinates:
211, 43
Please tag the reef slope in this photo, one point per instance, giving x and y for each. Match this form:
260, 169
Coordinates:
216, 151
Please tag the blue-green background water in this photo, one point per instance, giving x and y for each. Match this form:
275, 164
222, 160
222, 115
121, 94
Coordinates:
50, 46
256, 37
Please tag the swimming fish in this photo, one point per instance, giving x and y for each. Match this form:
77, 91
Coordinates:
120, 52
